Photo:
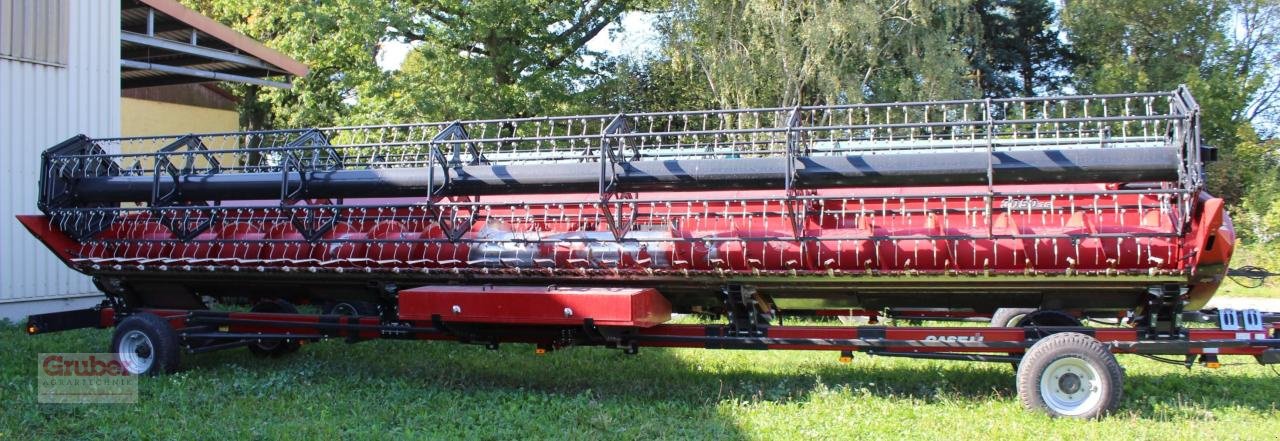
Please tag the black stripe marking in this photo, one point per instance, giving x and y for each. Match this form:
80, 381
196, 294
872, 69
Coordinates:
871, 332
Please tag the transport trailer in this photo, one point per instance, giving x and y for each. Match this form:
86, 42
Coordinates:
593, 230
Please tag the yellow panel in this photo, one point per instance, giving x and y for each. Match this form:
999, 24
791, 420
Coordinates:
147, 118
143, 118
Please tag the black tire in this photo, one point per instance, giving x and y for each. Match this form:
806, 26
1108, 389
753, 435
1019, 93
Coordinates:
1022, 318
1070, 375
1049, 317
350, 308
1009, 317
274, 348
146, 345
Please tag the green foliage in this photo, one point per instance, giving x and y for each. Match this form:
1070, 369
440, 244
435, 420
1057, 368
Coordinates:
1155, 45
646, 85
1252, 170
766, 53
1226, 51
1141, 44
337, 39
512, 40
436, 84
1019, 52
1259, 254
471, 59
476, 59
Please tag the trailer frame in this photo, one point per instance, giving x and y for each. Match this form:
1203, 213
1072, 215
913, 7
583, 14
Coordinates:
283, 330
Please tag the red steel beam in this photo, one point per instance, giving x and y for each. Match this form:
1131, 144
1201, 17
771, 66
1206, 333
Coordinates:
831, 338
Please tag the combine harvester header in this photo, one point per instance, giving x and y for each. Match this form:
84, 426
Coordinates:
592, 230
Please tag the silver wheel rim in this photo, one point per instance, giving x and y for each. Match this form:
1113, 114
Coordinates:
1071, 386
136, 352
1015, 320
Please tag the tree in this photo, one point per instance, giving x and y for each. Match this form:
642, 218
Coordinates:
770, 53
1257, 215
1224, 50
493, 58
1018, 52
513, 40
471, 58
650, 84
1156, 45
1141, 44
1257, 33
337, 39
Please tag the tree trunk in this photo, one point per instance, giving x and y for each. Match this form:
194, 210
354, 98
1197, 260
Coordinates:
255, 115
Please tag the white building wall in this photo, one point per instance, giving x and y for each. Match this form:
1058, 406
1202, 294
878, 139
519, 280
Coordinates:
41, 105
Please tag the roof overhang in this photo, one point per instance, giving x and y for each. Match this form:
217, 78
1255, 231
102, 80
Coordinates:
163, 42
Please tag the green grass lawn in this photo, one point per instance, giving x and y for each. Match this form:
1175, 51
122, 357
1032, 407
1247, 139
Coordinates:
1260, 255
1231, 289
332, 390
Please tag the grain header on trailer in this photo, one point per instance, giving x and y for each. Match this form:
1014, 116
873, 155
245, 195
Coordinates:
594, 230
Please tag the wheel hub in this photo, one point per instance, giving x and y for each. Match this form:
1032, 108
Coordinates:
1069, 383
1070, 386
136, 352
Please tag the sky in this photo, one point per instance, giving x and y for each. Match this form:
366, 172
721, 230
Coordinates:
634, 35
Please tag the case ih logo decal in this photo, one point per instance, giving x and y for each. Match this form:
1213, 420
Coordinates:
955, 338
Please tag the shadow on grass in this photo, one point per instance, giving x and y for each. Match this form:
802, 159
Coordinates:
701, 378
457, 390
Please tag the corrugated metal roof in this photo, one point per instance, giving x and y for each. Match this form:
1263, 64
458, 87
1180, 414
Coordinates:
163, 42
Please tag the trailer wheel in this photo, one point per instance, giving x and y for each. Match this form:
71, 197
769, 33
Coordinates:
1070, 375
274, 348
1048, 317
145, 344
1009, 317
1024, 317
350, 308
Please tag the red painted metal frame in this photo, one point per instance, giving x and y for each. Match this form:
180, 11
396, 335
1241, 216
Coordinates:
827, 338
837, 238
531, 305
58, 242
300, 324
956, 339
